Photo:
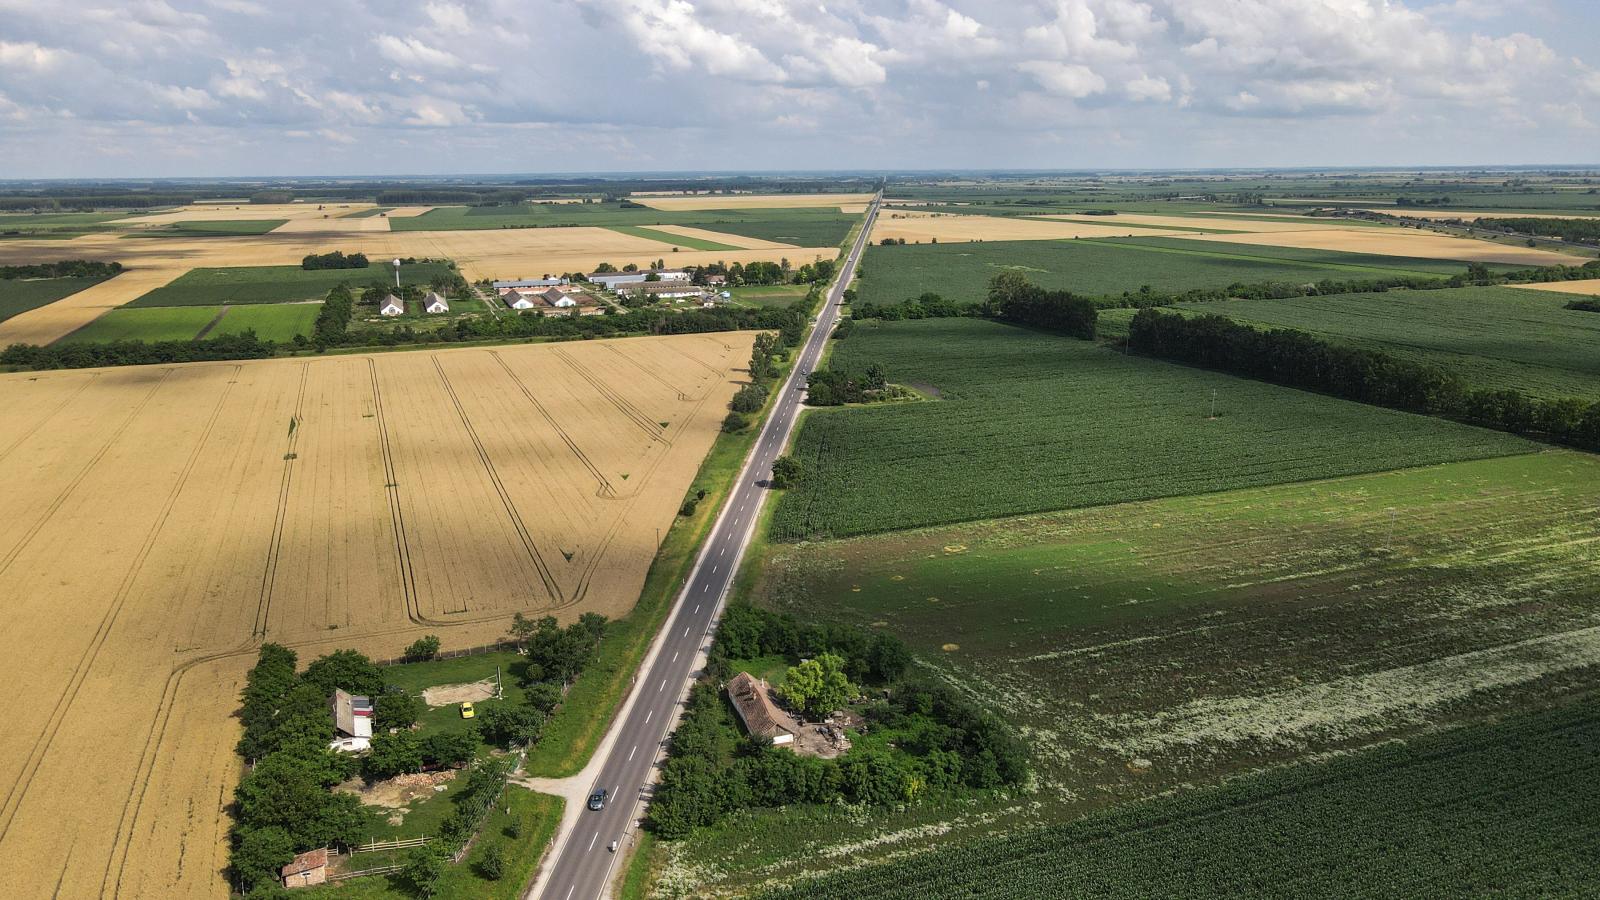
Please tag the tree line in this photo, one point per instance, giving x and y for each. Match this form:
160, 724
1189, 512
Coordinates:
136, 353
1581, 230
1296, 359
334, 260
942, 742
66, 268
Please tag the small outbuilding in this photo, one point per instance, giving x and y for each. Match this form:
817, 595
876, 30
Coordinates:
352, 721
435, 303
307, 869
391, 306
761, 717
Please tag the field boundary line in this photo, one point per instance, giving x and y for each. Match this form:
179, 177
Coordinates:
14, 800
650, 373
51, 415
269, 574
61, 498
605, 490
397, 520
630, 412
552, 587
1286, 261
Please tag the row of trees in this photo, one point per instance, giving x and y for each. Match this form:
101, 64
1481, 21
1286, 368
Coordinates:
332, 326
941, 742
66, 268
836, 387
1583, 230
1586, 304
1299, 360
334, 260
1014, 298
136, 353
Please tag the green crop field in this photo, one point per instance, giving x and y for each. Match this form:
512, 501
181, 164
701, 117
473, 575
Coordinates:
1031, 422
178, 323
1494, 810
220, 228
768, 294
1491, 337
1152, 647
961, 272
18, 295
276, 284
53, 225
804, 227
276, 322
667, 237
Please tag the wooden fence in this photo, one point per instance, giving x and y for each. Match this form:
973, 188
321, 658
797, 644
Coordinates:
376, 870
373, 845
455, 654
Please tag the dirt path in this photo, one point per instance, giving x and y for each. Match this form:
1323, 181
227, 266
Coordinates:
213, 323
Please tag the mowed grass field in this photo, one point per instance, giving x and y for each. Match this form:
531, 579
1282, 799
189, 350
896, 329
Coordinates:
1148, 647
177, 323
1490, 810
961, 272
385, 497
1031, 422
1492, 337
276, 284
18, 295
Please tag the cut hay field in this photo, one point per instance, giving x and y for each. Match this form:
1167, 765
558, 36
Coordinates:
1589, 287
164, 521
19, 295
677, 239
946, 228
1493, 338
752, 201
962, 271
276, 284
795, 226
1149, 647
1031, 422
191, 228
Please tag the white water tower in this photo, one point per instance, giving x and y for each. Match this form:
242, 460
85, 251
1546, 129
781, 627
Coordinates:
397, 274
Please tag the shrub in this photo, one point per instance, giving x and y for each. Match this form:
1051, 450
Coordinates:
749, 398
493, 864
423, 649
734, 422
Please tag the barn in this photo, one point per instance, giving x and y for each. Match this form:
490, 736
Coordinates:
392, 306
434, 303
307, 869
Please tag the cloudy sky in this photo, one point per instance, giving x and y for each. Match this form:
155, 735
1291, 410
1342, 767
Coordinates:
283, 87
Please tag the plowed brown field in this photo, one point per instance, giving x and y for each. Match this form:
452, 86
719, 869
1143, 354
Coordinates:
161, 522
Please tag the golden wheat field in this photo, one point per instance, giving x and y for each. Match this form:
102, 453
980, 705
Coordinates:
161, 522
1398, 242
950, 228
1587, 287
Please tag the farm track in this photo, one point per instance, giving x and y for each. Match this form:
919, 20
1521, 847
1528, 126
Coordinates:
605, 487
633, 413
652, 374
270, 568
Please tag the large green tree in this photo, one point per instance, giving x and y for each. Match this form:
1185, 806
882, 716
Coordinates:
817, 686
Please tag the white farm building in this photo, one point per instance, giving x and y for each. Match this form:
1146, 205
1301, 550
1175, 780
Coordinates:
392, 306
434, 303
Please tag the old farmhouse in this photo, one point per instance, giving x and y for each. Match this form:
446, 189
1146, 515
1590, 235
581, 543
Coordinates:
761, 717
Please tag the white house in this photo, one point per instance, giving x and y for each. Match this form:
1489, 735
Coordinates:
560, 299
434, 303
392, 307
503, 286
352, 721
518, 300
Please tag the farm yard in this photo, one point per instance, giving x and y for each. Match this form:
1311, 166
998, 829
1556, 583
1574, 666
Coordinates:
1030, 422
1495, 338
349, 501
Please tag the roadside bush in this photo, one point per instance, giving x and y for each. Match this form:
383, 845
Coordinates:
509, 725
786, 472
423, 649
749, 398
493, 864
732, 423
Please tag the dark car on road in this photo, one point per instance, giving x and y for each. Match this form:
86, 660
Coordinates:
597, 800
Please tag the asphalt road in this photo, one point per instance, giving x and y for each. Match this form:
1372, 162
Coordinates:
584, 861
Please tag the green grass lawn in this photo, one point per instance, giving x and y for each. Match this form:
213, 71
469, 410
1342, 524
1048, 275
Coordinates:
1032, 422
537, 816
667, 237
413, 677
18, 295
768, 294
961, 272
276, 284
272, 322
1491, 337
219, 228
180, 323
1495, 810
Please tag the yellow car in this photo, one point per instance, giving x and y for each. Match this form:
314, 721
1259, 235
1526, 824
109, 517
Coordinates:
467, 711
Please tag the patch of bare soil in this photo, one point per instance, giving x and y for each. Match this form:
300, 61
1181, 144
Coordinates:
447, 694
